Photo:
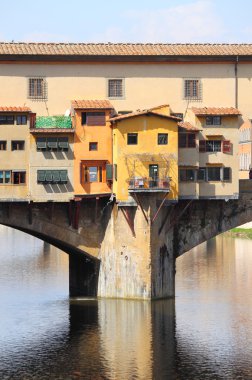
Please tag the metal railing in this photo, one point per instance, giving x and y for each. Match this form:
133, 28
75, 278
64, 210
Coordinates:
146, 183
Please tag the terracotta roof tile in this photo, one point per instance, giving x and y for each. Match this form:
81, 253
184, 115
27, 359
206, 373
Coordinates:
220, 111
124, 49
140, 113
91, 104
15, 109
188, 126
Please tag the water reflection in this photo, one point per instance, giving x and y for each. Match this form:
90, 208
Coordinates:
205, 334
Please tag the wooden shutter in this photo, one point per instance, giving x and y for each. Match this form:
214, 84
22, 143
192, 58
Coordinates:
202, 145
96, 118
226, 146
32, 120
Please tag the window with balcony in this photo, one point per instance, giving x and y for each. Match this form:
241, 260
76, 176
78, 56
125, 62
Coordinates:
115, 88
37, 88
132, 138
17, 145
162, 138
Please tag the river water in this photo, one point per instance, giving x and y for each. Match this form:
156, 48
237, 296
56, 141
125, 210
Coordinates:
205, 334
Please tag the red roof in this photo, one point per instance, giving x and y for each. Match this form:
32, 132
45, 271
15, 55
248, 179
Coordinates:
220, 111
91, 104
188, 126
15, 109
123, 49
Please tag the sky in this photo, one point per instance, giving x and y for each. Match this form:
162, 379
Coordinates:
164, 21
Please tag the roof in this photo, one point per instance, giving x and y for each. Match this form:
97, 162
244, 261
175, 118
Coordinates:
140, 113
188, 126
220, 111
123, 49
15, 109
91, 104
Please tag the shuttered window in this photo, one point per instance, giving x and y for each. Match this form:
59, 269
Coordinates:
226, 146
109, 172
93, 118
52, 176
226, 174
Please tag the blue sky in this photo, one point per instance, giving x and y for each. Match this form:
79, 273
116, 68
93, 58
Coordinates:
168, 21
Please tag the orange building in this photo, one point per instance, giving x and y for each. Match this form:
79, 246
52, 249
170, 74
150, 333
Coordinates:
92, 147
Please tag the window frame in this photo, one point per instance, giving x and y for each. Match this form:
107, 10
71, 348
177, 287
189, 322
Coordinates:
186, 177
122, 96
33, 93
3, 145
132, 135
95, 144
186, 135
210, 120
21, 119
198, 95
17, 145
7, 122
164, 135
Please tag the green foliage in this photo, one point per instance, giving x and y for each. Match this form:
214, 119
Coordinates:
63, 122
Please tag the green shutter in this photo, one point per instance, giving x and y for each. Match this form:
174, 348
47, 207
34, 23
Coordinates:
41, 176
48, 176
109, 172
56, 176
63, 176
63, 142
41, 143
52, 142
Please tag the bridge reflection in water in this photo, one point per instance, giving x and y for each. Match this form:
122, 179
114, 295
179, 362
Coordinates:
208, 333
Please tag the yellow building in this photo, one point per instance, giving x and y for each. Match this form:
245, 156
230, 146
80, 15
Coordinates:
145, 153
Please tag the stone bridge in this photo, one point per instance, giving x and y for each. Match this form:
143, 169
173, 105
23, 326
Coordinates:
127, 252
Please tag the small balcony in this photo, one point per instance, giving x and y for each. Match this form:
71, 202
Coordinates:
55, 124
145, 184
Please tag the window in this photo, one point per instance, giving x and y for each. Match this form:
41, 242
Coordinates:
3, 145
132, 138
187, 140
214, 174
5, 176
213, 120
224, 146
162, 138
192, 89
52, 144
178, 114
213, 146
93, 146
187, 175
18, 177
17, 145
37, 88
226, 174
6, 120
109, 172
201, 174
52, 176
115, 88
92, 174
93, 118
21, 119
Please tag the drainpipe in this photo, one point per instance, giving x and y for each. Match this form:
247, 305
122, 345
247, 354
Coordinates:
236, 81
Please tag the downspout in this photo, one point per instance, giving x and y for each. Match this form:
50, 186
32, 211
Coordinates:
236, 81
